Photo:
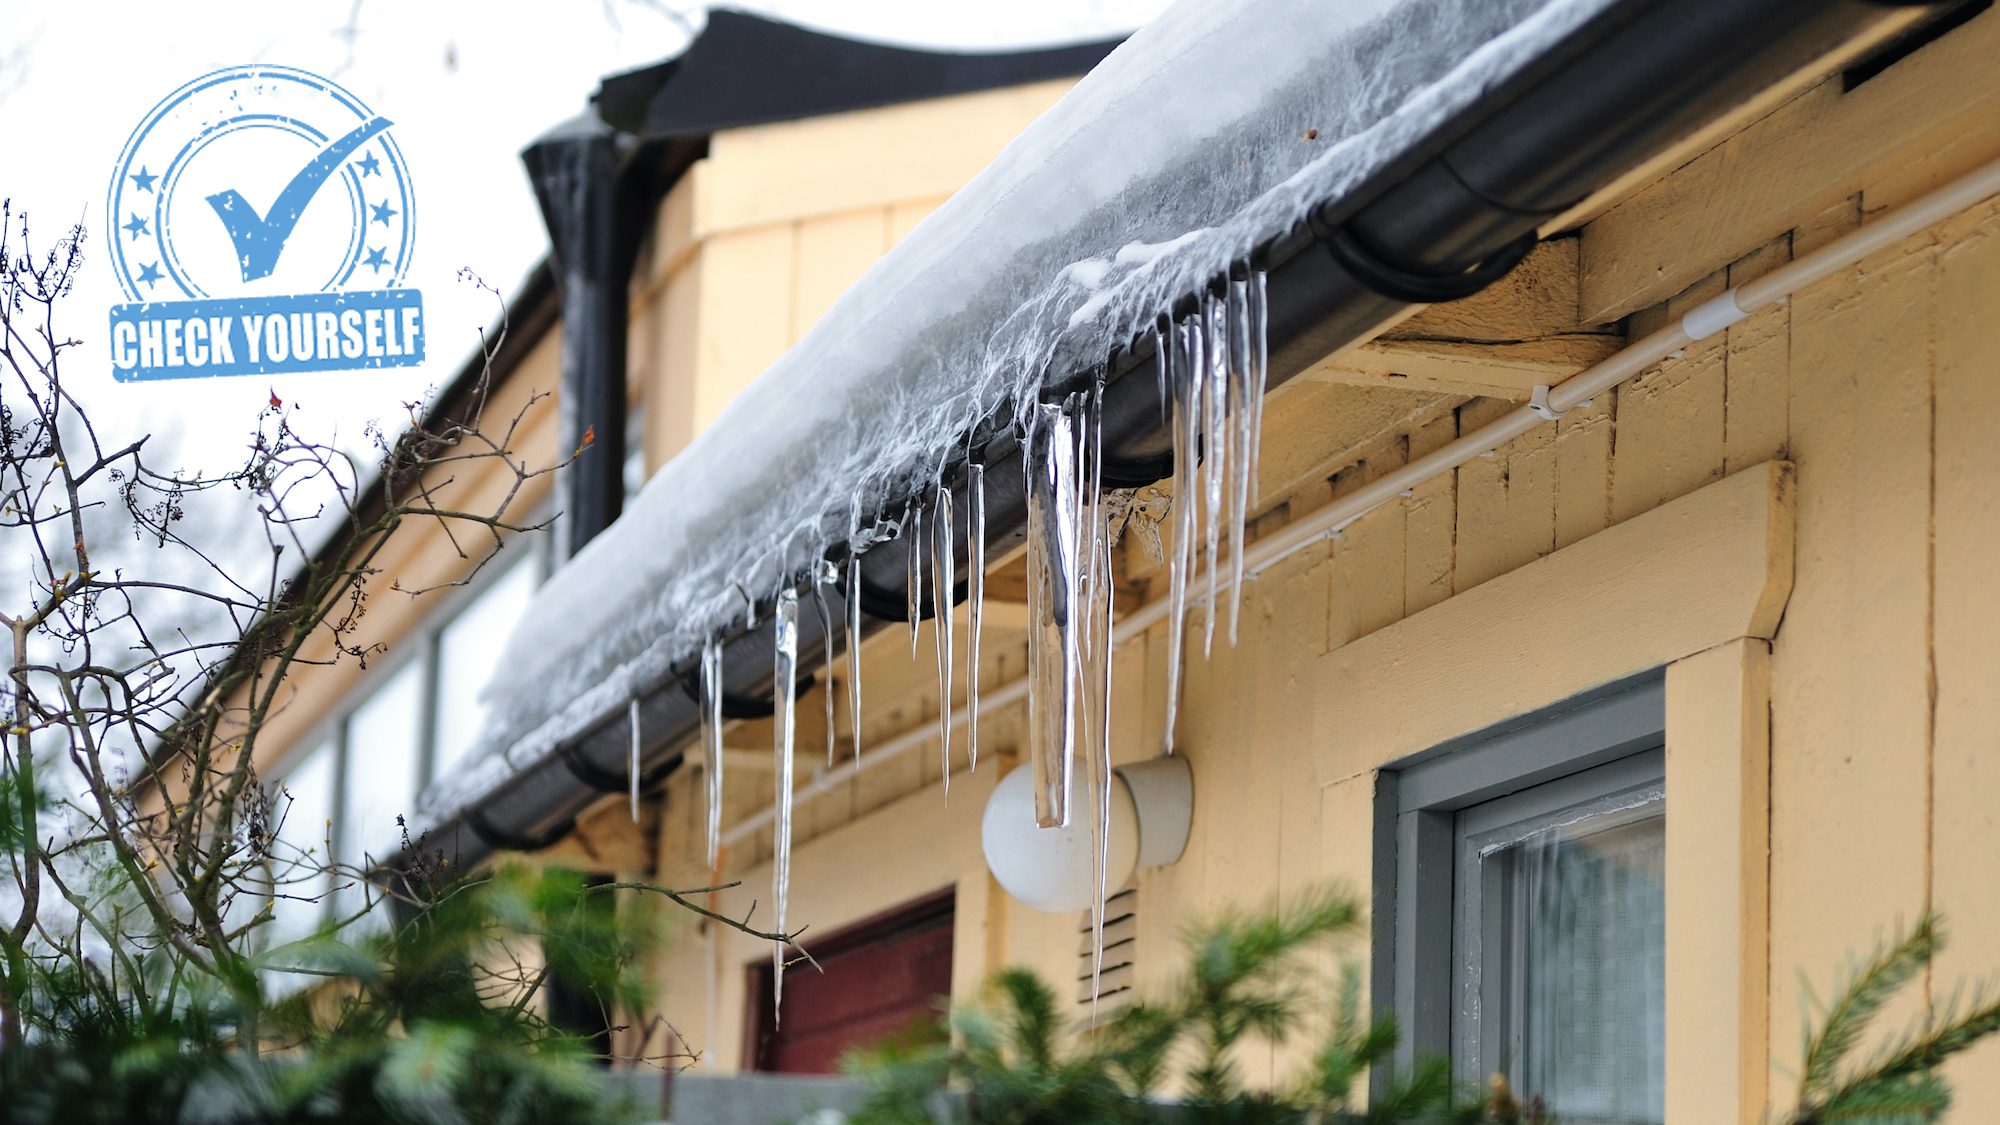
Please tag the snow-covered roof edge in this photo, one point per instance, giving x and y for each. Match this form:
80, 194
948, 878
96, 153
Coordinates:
1168, 163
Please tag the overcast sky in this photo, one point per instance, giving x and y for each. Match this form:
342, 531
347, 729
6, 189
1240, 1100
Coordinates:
467, 83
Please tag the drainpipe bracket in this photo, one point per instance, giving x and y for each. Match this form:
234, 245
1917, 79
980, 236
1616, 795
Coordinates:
1539, 403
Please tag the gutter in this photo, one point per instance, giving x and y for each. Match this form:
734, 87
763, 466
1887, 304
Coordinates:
1455, 215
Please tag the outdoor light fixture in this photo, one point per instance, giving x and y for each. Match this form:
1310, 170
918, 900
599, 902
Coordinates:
1152, 805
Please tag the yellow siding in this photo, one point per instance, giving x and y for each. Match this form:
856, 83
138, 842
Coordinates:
1965, 822
1718, 892
1811, 492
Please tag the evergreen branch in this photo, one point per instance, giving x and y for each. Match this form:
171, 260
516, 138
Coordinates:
1862, 999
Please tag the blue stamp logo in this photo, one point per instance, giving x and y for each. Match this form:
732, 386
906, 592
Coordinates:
261, 224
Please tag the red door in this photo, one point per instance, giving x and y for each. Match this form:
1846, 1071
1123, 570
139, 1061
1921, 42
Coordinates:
882, 977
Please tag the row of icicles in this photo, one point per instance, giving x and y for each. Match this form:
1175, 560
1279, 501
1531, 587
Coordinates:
1211, 368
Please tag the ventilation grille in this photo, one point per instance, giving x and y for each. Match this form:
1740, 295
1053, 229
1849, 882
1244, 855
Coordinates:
1121, 946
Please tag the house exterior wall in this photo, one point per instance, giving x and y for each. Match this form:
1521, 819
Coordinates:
1795, 519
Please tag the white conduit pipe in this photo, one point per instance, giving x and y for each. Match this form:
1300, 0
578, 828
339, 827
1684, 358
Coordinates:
1548, 404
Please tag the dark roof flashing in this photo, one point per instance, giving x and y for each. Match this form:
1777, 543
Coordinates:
745, 69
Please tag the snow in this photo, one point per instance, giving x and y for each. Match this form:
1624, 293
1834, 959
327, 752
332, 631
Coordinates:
1186, 148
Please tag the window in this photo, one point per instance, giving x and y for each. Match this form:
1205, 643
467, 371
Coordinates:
383, 765
415, 719
633, 471
468, 651
1522, 905
303, 806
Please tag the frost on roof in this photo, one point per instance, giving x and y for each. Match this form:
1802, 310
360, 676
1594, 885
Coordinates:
1185, 149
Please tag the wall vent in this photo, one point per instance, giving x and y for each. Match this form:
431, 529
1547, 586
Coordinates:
1121, 946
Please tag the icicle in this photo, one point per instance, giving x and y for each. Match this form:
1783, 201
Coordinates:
913, 530
1213, 374
1052, 594
824, 575
785, 673
975, 600
943, 580
1243, 448
633, 770
711, 740
1186, 423
854, 650
1260, 357
1095, 655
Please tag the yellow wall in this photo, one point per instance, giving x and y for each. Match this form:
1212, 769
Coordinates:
1796, 519
763, 234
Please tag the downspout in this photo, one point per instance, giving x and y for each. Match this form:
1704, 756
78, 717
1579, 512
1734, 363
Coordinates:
594, 225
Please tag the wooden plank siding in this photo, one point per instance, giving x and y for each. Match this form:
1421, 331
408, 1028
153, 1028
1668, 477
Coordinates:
1850, 428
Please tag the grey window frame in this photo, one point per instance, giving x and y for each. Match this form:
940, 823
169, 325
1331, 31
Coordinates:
1418, 838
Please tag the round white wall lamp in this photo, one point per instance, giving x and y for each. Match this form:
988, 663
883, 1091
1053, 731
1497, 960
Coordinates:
1050, 868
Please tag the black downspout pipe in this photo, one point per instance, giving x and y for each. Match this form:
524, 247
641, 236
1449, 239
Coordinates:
579, 176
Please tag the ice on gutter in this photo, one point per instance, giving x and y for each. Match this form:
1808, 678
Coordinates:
1205, 134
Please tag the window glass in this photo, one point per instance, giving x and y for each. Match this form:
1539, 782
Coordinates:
303, 807
633, 471
383, 752
1565, 929
468, 651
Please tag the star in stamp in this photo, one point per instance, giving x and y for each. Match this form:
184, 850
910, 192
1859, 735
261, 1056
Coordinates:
262, 222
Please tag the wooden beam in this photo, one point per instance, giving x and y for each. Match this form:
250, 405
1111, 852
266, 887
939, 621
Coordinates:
1537, 298
1502, 342
1691, 574
1509, 370
606, 841
1916, 125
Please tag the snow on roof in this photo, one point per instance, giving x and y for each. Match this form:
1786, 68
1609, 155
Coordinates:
1201, 137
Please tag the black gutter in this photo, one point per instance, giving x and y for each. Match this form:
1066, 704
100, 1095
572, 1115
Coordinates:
1451, 217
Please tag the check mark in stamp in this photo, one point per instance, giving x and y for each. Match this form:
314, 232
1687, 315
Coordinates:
262, 224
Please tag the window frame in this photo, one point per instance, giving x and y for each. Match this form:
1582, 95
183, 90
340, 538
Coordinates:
1628, 791
1418, 839
330, 735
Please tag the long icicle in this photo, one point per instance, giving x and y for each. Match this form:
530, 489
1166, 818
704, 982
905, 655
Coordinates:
944, 580
1052, 590
632, 769
1214, 456
1243, 448
1260, 362
913, 530
824, 575
854, 628
784, 669
711, 740
1095, 643
1186, 423
975, 601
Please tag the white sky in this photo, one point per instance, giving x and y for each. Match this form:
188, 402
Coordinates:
467, 83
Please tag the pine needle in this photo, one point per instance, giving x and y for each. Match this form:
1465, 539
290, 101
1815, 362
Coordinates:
1861, 1000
